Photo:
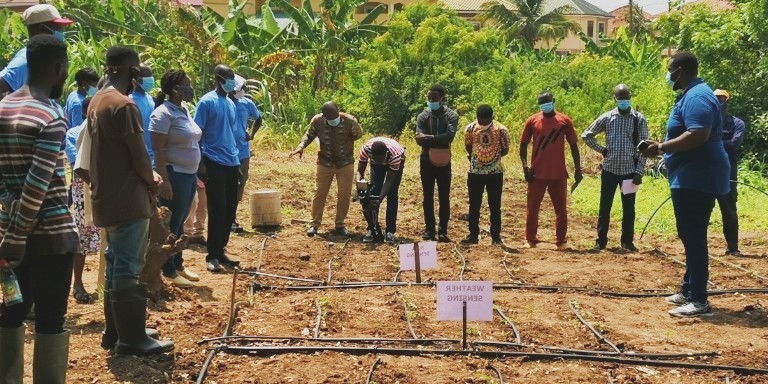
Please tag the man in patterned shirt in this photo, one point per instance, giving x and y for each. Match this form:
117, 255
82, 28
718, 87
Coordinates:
387, 158
39, 235
487, 141
337, 133
624, 128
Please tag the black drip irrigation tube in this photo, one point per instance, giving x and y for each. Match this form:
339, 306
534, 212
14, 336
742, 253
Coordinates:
572, 304
407, 318
498, 373
319, 319
678, 262
509, 273
739, 267
369, 378
506, 320
266, 351
337, 256
463, 262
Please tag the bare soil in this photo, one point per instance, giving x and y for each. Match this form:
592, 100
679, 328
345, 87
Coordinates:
738, 329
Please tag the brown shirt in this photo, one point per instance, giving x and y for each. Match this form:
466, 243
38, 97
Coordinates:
121, 172
337, 144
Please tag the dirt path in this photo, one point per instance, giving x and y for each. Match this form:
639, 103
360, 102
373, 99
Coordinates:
738, 330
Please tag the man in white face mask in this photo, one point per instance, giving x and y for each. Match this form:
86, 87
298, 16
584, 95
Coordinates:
337, 132
247, 114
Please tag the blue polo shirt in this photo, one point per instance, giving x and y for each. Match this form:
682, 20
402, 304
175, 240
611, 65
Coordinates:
216, 117
705, 168
246, 109
74, 109
146, 105
70, 143
15, 73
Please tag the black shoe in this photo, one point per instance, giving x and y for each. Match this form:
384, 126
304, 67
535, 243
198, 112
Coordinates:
236, 228
428, 235
443, 238
109, 335
733, 253
369, 238
389, 238
129, 307
629, 247
199, 240
312, 231
470, 240
341, 231
497, 241
227, 262
597, 247
214, 266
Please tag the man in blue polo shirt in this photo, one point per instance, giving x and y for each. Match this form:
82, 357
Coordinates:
86, 80
247, 111
40, 19
698, 172
220, 166
144, 84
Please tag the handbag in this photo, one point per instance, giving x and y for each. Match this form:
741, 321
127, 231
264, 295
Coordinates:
439, 157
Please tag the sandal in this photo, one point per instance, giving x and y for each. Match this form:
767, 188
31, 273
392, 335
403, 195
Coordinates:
82, 297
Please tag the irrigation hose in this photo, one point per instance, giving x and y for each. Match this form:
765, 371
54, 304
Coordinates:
600, 337
407, 317
319, 317
509, 322
289, 278
511, 276
463, 262
335, 257
271, 351
740, 268
498, 373
373, 368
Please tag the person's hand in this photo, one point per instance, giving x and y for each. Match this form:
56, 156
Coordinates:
375, 202
202, 173
529, 176
200, 184
420, 138
299, 152
637, 179
11, 255
652, 150
578, 176
157, 178
166, 190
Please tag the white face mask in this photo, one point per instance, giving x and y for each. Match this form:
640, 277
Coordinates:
240, 94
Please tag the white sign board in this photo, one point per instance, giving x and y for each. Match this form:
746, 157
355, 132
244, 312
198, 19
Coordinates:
427, 259
451, 296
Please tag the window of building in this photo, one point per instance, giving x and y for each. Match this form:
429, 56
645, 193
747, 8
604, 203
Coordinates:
591, 28
600, 29
398, 7
369, 7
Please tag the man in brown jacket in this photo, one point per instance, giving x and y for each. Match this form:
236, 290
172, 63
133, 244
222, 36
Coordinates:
337, 133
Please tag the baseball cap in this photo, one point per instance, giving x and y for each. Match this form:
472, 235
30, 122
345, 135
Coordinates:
722, 92
44, 13
239, 82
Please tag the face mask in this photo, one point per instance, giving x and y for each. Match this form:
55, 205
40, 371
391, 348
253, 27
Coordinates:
147, 83
433, 105
59, 35
228, 85
186, 93
91, 91
335, 122
624, 104
240, 94
671, 82
547, 107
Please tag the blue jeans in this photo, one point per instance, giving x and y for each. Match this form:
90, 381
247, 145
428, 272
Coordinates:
184, 186
378, 173
692, 212
126, 245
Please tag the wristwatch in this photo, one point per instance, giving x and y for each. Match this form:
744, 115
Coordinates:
661, 149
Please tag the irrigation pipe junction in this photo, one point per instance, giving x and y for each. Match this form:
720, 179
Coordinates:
266, 346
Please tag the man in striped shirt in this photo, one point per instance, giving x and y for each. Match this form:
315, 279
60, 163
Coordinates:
38, 233
387, 158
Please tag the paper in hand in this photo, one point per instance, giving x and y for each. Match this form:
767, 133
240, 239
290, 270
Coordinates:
628, 187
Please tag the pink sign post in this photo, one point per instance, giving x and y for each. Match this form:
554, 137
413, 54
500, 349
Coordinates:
464, 300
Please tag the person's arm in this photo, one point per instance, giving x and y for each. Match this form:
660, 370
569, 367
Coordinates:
70, 145
468, 138
698, 116
255, 114
24, 211
589, 134
504, 141
159, 128
573, 142
361, 166
357, 131
642, 135
525, 138
445, 138
4, 88
389, 179
133, 136
739, 130
201, 119
306, 140
422, 126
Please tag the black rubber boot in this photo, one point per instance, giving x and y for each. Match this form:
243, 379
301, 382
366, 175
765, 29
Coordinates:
109, 336
129, 308
51, 358
11, 355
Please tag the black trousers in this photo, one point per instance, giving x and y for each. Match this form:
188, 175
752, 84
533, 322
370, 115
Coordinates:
442, 176
221, 188
477, 184
608, 185
727, 205
44, 280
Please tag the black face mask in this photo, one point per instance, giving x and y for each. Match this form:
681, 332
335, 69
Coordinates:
186, 92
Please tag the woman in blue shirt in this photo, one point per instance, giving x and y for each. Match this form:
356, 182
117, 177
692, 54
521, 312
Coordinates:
175, 138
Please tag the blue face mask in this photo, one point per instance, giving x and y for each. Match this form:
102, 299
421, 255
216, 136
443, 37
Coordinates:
59, 35
335, 122
228, 85
433, 105
624, 104
147, 83
91, 91
670, 82
547, 107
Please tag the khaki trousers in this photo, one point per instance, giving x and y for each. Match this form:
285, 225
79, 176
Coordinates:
323, 180
194, 226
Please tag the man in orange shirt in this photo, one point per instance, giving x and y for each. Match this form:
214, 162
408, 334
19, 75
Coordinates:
548, 129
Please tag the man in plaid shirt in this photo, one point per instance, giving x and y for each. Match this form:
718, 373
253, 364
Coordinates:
624, 128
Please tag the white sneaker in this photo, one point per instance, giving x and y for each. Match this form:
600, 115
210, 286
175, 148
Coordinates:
189, 275
676, 299
692, 309
181, 281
